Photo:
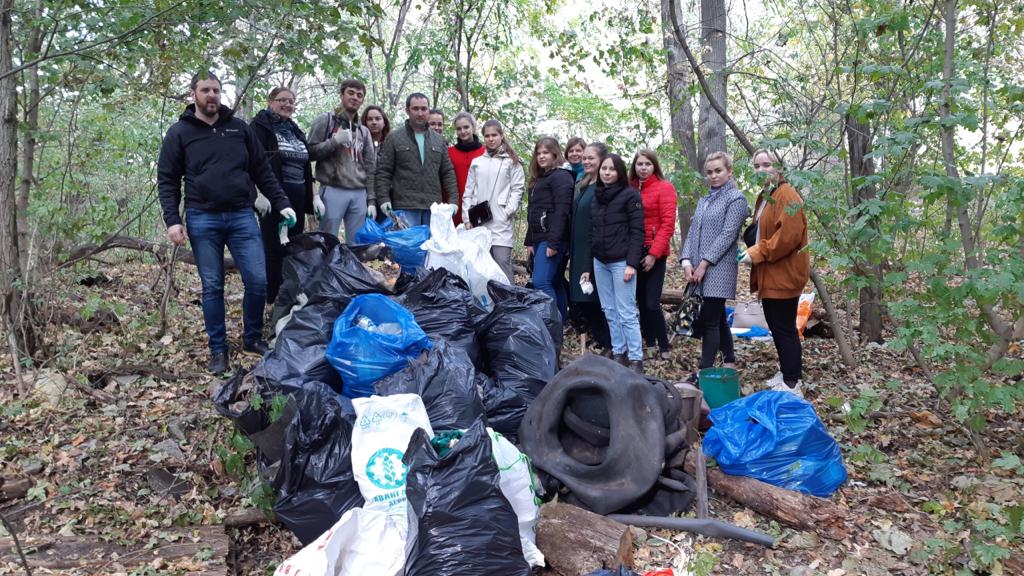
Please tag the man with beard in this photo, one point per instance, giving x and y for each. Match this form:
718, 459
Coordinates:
414, 166
219, 159
345, 161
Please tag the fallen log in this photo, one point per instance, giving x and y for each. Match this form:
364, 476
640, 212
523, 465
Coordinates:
794, 509
245, 517
14, 488
98, 556
575, 541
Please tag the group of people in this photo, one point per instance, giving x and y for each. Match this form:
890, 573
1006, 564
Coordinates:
608, 225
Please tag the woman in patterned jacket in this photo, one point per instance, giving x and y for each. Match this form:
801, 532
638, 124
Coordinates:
709, 256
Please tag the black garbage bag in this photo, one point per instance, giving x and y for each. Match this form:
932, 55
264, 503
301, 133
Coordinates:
460, 524
315, 483
444, 379
246, 401
298, 354
536, 299
343, 278
445, 309
505, 406
606, 433
519, 354
305, 256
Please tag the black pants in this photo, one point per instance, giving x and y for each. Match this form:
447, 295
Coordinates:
648, 296
589, 317
781, 317
272, 247
715, 334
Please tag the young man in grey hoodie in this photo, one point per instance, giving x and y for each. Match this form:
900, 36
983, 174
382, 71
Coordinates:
345, 162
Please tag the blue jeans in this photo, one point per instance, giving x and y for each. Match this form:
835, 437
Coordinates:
415, 217
618, 300
545, 278
209, 232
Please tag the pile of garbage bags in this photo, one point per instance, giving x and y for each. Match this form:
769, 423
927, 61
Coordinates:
369, 371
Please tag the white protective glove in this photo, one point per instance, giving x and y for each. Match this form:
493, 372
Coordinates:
744, 258
262, 205
282, 229
386, 208
318, 207
289, 217
371, 212
343, 137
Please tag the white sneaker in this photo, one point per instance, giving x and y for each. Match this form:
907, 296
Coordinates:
796, 390
773, 381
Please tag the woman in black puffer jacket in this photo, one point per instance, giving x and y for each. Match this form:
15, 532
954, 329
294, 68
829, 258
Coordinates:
548, 220
617, 240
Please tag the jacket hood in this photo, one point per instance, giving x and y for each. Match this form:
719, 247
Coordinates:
224, 114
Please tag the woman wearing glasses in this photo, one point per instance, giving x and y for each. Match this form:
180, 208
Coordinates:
285, 146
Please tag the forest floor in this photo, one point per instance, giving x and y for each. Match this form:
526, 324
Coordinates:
131, 470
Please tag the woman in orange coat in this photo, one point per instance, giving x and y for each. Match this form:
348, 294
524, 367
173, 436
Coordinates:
659, 199
781, 267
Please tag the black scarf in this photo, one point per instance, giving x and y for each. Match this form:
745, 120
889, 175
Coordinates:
468, 146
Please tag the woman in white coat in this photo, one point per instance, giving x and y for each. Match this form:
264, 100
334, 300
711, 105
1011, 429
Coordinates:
496, 177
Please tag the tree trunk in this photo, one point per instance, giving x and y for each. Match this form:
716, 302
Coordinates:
858, 138
28, 143
681, 110
13, 313
712, 36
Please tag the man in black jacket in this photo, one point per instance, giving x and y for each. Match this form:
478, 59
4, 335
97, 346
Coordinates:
219, 160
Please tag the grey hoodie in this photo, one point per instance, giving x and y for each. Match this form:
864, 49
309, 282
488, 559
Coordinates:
350, 166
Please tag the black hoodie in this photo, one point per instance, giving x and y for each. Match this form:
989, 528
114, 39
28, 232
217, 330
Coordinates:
617, 224
219, 163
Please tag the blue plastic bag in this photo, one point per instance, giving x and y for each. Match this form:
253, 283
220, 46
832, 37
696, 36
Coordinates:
404, 243
776, 437
373, 338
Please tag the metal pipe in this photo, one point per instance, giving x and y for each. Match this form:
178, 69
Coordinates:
706, 527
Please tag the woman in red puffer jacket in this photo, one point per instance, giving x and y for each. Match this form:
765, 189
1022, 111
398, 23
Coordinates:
659, 199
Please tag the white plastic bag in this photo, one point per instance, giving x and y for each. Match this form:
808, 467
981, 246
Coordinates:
361, 542
380, 436
516, 479
466, 253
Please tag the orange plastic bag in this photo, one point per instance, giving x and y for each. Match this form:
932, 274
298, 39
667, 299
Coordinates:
803, 312
662, 572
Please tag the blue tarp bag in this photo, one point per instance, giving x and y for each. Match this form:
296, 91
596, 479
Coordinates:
777, 438
373, 338
404, 243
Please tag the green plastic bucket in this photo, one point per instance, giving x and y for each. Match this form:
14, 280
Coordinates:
719, 385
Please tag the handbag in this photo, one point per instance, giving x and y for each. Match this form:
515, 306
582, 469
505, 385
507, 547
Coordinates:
749, 314
689, 311
480, 214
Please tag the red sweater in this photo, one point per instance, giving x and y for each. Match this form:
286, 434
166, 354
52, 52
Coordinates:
659, 198
461, 161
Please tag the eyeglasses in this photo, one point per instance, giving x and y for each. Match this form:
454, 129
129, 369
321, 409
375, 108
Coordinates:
284, 100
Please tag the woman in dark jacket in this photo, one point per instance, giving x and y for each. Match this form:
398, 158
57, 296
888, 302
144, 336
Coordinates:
617, 240
285, 146
548, 220
585, 307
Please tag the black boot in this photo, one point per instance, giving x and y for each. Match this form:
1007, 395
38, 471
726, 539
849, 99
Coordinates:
258, 347
621, 359
637, 366
218, 362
